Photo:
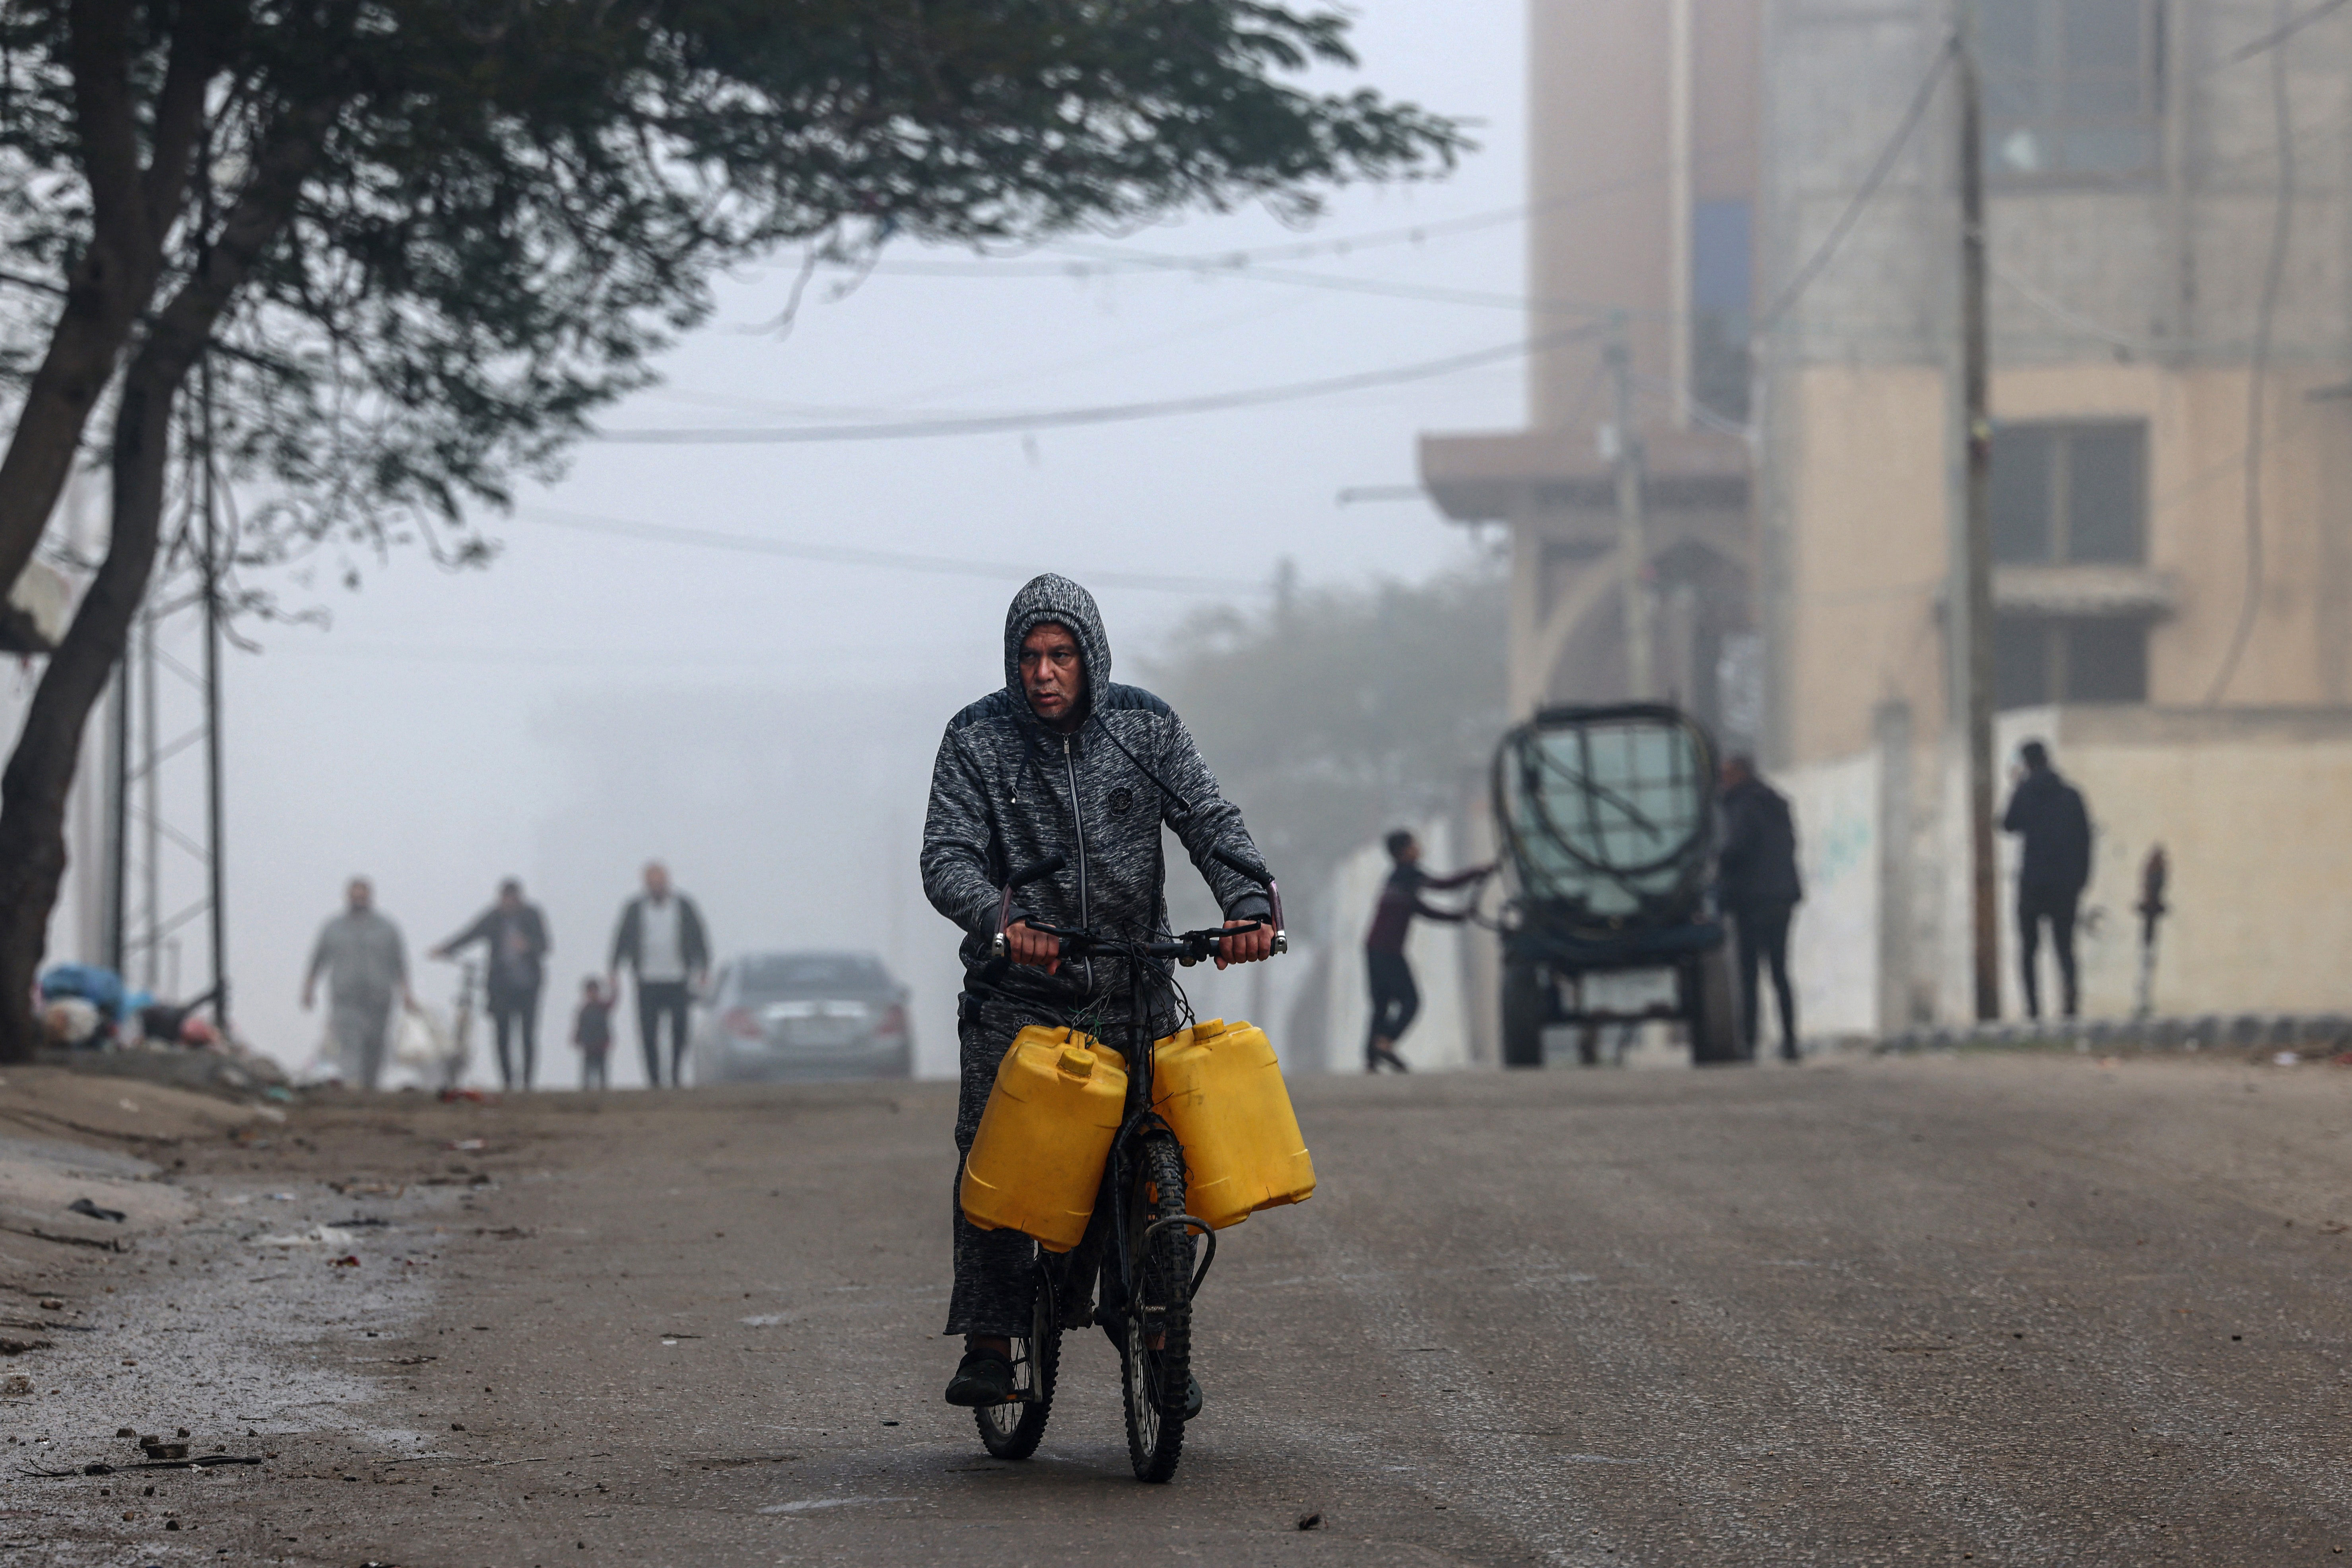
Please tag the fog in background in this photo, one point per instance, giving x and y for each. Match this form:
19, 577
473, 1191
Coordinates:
766, 725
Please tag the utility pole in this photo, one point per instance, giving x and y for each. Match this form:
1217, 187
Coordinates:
1632, 546
151, 774
118, 818
217, 861
1971, 606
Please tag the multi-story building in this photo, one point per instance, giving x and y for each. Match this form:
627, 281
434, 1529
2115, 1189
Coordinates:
1767, 191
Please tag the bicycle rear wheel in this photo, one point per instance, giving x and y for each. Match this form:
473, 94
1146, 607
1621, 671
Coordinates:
1155, 1379
1014, 1429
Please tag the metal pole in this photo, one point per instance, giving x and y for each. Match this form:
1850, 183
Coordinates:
150, 874
1972, 606
1633, 549
217, 893
118, 815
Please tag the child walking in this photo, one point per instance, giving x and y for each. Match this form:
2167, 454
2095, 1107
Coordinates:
591, 1032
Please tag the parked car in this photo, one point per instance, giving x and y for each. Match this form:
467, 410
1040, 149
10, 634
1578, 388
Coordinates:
778, 1017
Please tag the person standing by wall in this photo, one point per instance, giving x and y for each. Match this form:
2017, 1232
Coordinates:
513, 932
662, 939
1756, 877
1395, 998
366, 967
2048, 813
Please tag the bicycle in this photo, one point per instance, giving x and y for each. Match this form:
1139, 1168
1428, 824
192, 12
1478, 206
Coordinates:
1140, 1240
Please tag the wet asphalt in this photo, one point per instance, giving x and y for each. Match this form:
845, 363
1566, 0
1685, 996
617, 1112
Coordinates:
1990, 1310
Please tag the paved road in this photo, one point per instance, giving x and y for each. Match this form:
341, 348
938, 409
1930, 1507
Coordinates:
1997, 1310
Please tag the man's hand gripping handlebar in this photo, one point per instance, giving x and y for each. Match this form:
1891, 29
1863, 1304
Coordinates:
1043, 947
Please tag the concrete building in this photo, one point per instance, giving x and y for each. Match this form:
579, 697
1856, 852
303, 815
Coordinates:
2169, 216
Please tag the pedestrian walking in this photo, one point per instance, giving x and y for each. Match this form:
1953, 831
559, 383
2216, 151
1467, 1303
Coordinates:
592, 1034
1757, 882
2048, 814
662, 939
1396, 1000
513, 934
366, 967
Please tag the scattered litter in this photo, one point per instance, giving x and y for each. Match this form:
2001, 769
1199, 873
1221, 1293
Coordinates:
201, 1463
349, 1260
317, 1236
84, 1206
451, 1097
811, 1504
51, 1304
157, 1448
19, 1346
1310, 1521
281, 1198
2286, 1059
368, 1189
506, 1233
126, 1431
762, 1321
360, 1222
466, 1146
15, 1386
129, 1105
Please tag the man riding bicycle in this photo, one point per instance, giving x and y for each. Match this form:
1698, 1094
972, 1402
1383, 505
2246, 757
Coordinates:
1060, 762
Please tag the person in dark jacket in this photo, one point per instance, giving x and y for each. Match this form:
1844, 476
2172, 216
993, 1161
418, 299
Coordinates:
1756, 877
513, 935
662, 939
2047, 812
1395, 998
1060, 761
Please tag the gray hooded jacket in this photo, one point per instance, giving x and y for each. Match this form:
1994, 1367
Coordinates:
1006, 792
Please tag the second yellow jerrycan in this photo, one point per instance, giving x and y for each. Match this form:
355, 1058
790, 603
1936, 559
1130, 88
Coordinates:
1036, 1162
1219, 1088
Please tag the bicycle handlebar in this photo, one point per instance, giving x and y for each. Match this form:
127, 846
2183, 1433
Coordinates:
1037, 871
1265, 879
1187, 948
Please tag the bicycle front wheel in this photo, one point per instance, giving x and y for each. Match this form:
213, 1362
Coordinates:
1156, 1348
1014, 1429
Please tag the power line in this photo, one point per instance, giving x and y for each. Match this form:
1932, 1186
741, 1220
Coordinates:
852, 555
1105, 414
2280, 34
1878, 176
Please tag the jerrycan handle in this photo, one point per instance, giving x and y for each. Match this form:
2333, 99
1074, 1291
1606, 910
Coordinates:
1265, 879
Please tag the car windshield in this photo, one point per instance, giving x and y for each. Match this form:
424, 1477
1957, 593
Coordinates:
789, 974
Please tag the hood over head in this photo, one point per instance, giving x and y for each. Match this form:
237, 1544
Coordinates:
1049, 596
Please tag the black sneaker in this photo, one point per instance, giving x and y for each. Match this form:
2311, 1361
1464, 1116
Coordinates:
981, 1378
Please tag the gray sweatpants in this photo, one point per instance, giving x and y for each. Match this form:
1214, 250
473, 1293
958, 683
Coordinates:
359, 1025
993, 1267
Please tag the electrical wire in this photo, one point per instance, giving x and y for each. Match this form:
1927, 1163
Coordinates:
852, 555
1103, 413
1879, 169
2258, 370
2279, 34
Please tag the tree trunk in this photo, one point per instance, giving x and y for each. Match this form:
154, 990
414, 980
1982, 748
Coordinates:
40, 771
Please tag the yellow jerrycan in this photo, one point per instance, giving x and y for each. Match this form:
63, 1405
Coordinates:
1219, 1088
1036, 1162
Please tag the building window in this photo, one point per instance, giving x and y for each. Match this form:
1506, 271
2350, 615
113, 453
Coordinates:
2069, 495
1723, 277
2072, 89
2079, 660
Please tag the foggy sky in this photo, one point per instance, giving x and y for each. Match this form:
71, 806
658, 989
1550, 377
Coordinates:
766, 725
